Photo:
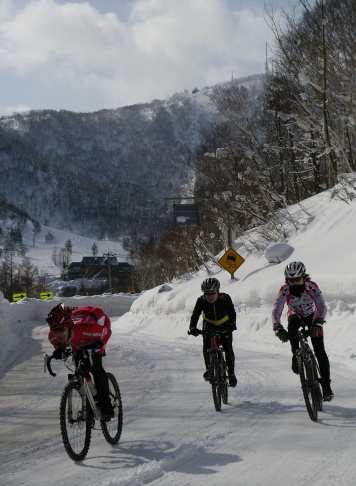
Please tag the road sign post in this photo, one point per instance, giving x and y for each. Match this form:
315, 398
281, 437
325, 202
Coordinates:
19, 296
46, 295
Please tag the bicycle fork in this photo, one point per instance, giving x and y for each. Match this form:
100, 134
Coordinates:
85, 394
88, 394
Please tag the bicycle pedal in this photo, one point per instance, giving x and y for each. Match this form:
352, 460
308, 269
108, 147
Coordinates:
328, 398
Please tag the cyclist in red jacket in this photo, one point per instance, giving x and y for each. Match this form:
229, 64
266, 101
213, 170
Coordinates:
306, 307
86, 327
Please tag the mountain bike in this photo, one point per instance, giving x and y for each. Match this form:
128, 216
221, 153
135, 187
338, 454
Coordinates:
218, 371
309, 375
78, 410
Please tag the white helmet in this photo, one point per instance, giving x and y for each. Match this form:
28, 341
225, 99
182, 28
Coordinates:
295, 269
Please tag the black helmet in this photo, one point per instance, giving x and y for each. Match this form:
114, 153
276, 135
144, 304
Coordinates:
59, 317
295, 270
210, 285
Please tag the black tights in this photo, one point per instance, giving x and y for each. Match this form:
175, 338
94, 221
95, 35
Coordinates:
294, 323
102, 383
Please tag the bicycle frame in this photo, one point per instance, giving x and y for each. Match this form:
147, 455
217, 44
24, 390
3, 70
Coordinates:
304, 347
216, 347
79, 374
78, 408
309, 374
217, 369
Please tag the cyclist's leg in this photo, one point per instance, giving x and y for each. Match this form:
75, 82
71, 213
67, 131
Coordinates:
226, 341
206, 346
294, 323
324, 365
321, 356
102, 386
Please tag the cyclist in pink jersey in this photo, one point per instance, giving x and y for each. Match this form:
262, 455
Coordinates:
306, 308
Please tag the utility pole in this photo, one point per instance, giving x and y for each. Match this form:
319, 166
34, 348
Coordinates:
222, 205
107, 258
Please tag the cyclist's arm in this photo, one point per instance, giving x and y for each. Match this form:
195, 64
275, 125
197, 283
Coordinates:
198, 309
231, 312
279, 305
317, 296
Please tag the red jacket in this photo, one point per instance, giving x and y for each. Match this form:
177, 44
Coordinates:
91, 324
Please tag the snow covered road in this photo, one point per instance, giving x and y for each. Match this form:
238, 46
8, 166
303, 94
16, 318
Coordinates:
172, 434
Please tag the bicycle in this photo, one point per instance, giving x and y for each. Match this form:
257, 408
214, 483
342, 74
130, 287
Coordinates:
309, 375
218, 371
78, 408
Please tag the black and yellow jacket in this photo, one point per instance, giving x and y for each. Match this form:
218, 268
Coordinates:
221, 312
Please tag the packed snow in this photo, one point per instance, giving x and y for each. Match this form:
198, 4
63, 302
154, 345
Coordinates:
172, 434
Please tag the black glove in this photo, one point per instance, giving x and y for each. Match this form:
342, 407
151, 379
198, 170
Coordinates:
232, 326
57, 353
282, 334
193, 331
316, 327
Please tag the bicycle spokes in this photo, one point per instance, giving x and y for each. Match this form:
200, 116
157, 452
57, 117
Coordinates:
75, 423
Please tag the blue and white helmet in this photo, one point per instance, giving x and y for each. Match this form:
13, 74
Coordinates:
295, 270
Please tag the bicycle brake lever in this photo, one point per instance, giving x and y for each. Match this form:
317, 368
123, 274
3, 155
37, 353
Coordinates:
47, 364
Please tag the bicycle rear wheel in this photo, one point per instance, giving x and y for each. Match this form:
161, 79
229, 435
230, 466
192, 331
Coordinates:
75, 429
318, 394
112, 430
307, 380
225, 393
215, 380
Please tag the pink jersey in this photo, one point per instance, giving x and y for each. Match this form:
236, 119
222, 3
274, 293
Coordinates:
310, 301
91, 324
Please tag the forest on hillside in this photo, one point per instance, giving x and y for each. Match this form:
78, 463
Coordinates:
278, 142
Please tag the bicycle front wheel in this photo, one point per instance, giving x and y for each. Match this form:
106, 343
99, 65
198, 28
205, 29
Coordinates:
224, 382
112, 430
215, 380
317, 391
75, 427
307, 380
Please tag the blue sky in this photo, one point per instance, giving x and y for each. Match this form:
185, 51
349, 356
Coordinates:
88, 55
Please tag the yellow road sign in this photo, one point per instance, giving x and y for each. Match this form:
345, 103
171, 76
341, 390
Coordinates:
46, 295
16, 297
231, 260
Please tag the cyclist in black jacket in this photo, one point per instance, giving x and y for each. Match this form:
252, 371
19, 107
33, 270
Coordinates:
217, 311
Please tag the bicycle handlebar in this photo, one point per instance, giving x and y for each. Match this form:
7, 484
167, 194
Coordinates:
86, 353
47, 365
212, 333
304, 332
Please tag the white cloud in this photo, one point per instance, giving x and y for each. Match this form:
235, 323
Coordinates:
163, 46
17, 109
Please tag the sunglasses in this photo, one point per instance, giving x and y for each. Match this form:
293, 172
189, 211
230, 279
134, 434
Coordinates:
295, 279
57, 328
210, 293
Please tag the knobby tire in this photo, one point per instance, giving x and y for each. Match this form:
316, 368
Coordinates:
112, 430
318, 394
215, 380
309, 387
75, 430
224, 384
